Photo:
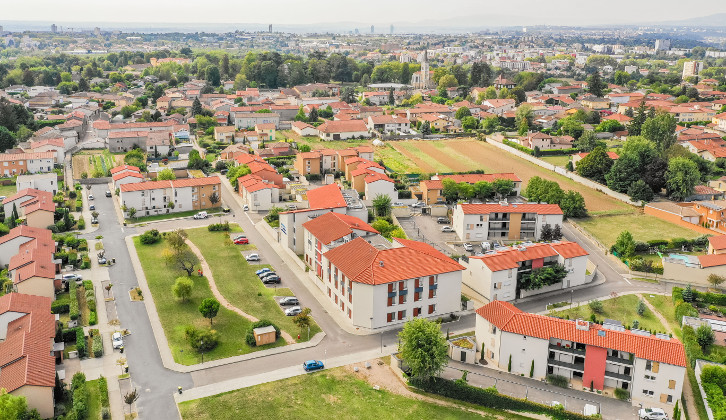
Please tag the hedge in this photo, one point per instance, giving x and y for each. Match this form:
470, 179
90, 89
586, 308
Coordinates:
74, 310
97, 345
219, 227
705, 297
685, 309
103, 389
519, 147
491, 398
80, 342
60, 307
93, 318
71, 334
88, 284
546, 152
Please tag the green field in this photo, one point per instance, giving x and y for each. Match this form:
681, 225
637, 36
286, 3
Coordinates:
329, 394
238, 283
643, 228
8, 190
622, 308
175, 315
556, 160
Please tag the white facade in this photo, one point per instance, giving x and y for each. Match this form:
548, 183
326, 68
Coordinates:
504, 226
42, 182
244, 120
291, 230
344, 135
381, 187
262, 199
658, 384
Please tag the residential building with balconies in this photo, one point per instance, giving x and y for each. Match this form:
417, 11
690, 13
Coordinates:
504, 221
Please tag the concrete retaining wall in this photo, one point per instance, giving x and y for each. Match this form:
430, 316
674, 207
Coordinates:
95, 181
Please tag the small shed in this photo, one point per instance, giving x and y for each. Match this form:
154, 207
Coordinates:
264, 335
463, 349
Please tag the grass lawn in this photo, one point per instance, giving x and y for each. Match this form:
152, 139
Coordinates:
622, 308
556, 160
643, 228
328, 394
83, 306
237, 281
8, 190
173, 215
664, 305
175, 316
94, 399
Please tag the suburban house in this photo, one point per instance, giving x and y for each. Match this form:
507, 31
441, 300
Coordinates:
695, 215
431, 190
55, 145
545, 141
34, 269
436, 121
379, 184
243, 120
717, 244
224, 134
328, 231
10, 243
257, 193
260, 168
304, 129
35, 206
44, 182
328, 160
343, 130
504, 221
604, 357
161, 197
371, 284
388, 124
265, 132
126, 174
353, 163
22, 163
499, 106
27, 361
499, 275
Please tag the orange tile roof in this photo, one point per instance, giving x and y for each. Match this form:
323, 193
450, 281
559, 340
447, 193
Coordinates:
28, 232
376, 176
52, 142
26, 156
28, 192
122, 175
507, 317
332, 226
363, 263
124, 168
511, 208
25, 354
177, 183
712, 260
510, 258
326, 197
342, 126
717, 242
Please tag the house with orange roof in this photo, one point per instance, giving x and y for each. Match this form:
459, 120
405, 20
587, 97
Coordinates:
501, 274
343, 130
257, 193
651, 368
27, 360
162, 197
44, 182
382, 286
34, 270
378, 184
304, 129
504, 221
266, 132
55, 145
224, 133
21, 163
33, 202
717, 244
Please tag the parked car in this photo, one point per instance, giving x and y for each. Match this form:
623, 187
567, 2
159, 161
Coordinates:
241, 241
468, 247
72, 277
245, 207
94, 220
239, 237
418, 204
652, 413
102, 260
262, 271
117, 340
201, 215
295, 310
108, 193
287, 301
271, 279
313, 365
485, 246
447, 229
442, 220
90, 196
253, 257
267, 274
397, 203
225, 209
291, 207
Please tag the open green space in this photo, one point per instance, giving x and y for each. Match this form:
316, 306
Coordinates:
176, 315
643, 228
8, 190
173, 215
329, 394
556, 160
664, 305
622, 308
94, 399
238, 283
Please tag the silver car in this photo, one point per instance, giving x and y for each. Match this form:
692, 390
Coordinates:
117, 340
295, 310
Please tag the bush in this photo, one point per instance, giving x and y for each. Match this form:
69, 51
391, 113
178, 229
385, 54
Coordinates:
91, 303
641, 247
60, 307
71, 334
491, 398
80, 342
195, 336
622, 394
678, 243
658, 242
93, 318
74, 311
97, 345
103, 389
404, 194
88, 285
596, 306
558, 380
250, 338
150, 237
219, 227
81, 223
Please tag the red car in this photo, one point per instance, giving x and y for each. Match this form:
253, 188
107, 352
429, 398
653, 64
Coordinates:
241, 241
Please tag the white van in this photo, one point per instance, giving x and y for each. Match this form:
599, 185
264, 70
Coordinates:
201, 215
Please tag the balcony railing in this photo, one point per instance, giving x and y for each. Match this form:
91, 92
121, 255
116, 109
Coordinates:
570, 350
572, 366
619, 360
619, 376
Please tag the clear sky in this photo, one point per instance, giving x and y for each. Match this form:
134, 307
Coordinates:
558, 12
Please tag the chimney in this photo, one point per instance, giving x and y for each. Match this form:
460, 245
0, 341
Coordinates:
380, 263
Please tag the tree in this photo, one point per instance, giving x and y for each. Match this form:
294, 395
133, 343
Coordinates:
640, 309
313, 115
524, 129
7, 139
557, 233
688, 294
543, 276
196, 107
595, 165
640, 191
704, 336
483, 190
681, 177
595, 85
625, 245
12, 407
166, 174
624, 172
715, 279
639, 118
213, 77
546, 233
503, 187
469, 123
661, 130
182, 288
132, 212
572, 204
176, 239
131, 397
214, 198
448, 81
426, 128
382, 205
391, 98
423, 348
303, 319
209, 308
587, 142
490, 93
462, 112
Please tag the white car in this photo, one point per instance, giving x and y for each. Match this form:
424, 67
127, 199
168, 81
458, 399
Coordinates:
447, 229
201, 215
468, 247
245, 207
293, 311
652, 413
253, 257
90, 196
117, 340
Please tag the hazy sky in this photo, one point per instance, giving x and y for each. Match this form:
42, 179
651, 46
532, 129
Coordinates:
374, 11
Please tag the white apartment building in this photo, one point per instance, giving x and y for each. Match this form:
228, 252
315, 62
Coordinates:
504, 221
497, 276
379, 184
155, 197
379, 288
43, 182
605, 357
258, 194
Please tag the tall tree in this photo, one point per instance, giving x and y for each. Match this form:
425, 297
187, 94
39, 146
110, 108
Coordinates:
7, 139
639, 118
209, 308
661, 130
682, 176
595, 85
625, 171
196, 107
423, 348
382, 205
595, 165
212, 76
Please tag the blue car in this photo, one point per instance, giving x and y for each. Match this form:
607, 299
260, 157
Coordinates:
263, 271
313, 365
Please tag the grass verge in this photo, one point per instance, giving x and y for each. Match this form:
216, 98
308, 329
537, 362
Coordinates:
643, 228
622, 308
173, 215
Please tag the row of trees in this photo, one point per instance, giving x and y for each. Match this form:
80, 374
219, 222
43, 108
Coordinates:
541, 190
481, 190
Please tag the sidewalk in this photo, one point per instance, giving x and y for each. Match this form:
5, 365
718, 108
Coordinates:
163, 344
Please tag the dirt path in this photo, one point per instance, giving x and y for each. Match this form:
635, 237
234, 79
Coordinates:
222, 300
441, 156
687, 389
423, 166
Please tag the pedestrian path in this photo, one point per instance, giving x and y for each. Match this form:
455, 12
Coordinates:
222, 300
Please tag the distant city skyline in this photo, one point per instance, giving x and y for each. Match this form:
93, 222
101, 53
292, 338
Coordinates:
352, 13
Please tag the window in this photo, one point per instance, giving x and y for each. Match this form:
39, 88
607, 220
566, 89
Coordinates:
349, 314
432, 308
402, 285
390, 317
432, 293
401, 314
648, 392
402, 299
336, 299
417, 296
433, 281
671, 384
650, 377
391, 301
669, 398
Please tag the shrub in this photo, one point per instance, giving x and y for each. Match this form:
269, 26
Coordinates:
88, 285
93, 318
74, 311
71, 334
103, 388
641, 247
558, 380
596, 306
678, 243
150, 237
81, 223
80, 342
196, 337
91, 303
250, 338
219, 227
658, 242
97, 345
622, 394
60, 307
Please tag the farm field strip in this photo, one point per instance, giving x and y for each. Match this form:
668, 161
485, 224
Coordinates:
422, 161
455, 160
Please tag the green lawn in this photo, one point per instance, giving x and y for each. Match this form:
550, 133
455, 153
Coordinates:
556, 160
324, 395
643, 228
189, 213
622, 308
664, 305
237, 281
175, 315
94, 399
8, 190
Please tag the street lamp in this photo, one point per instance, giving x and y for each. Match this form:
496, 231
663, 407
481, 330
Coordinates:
572, 292
201, 347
